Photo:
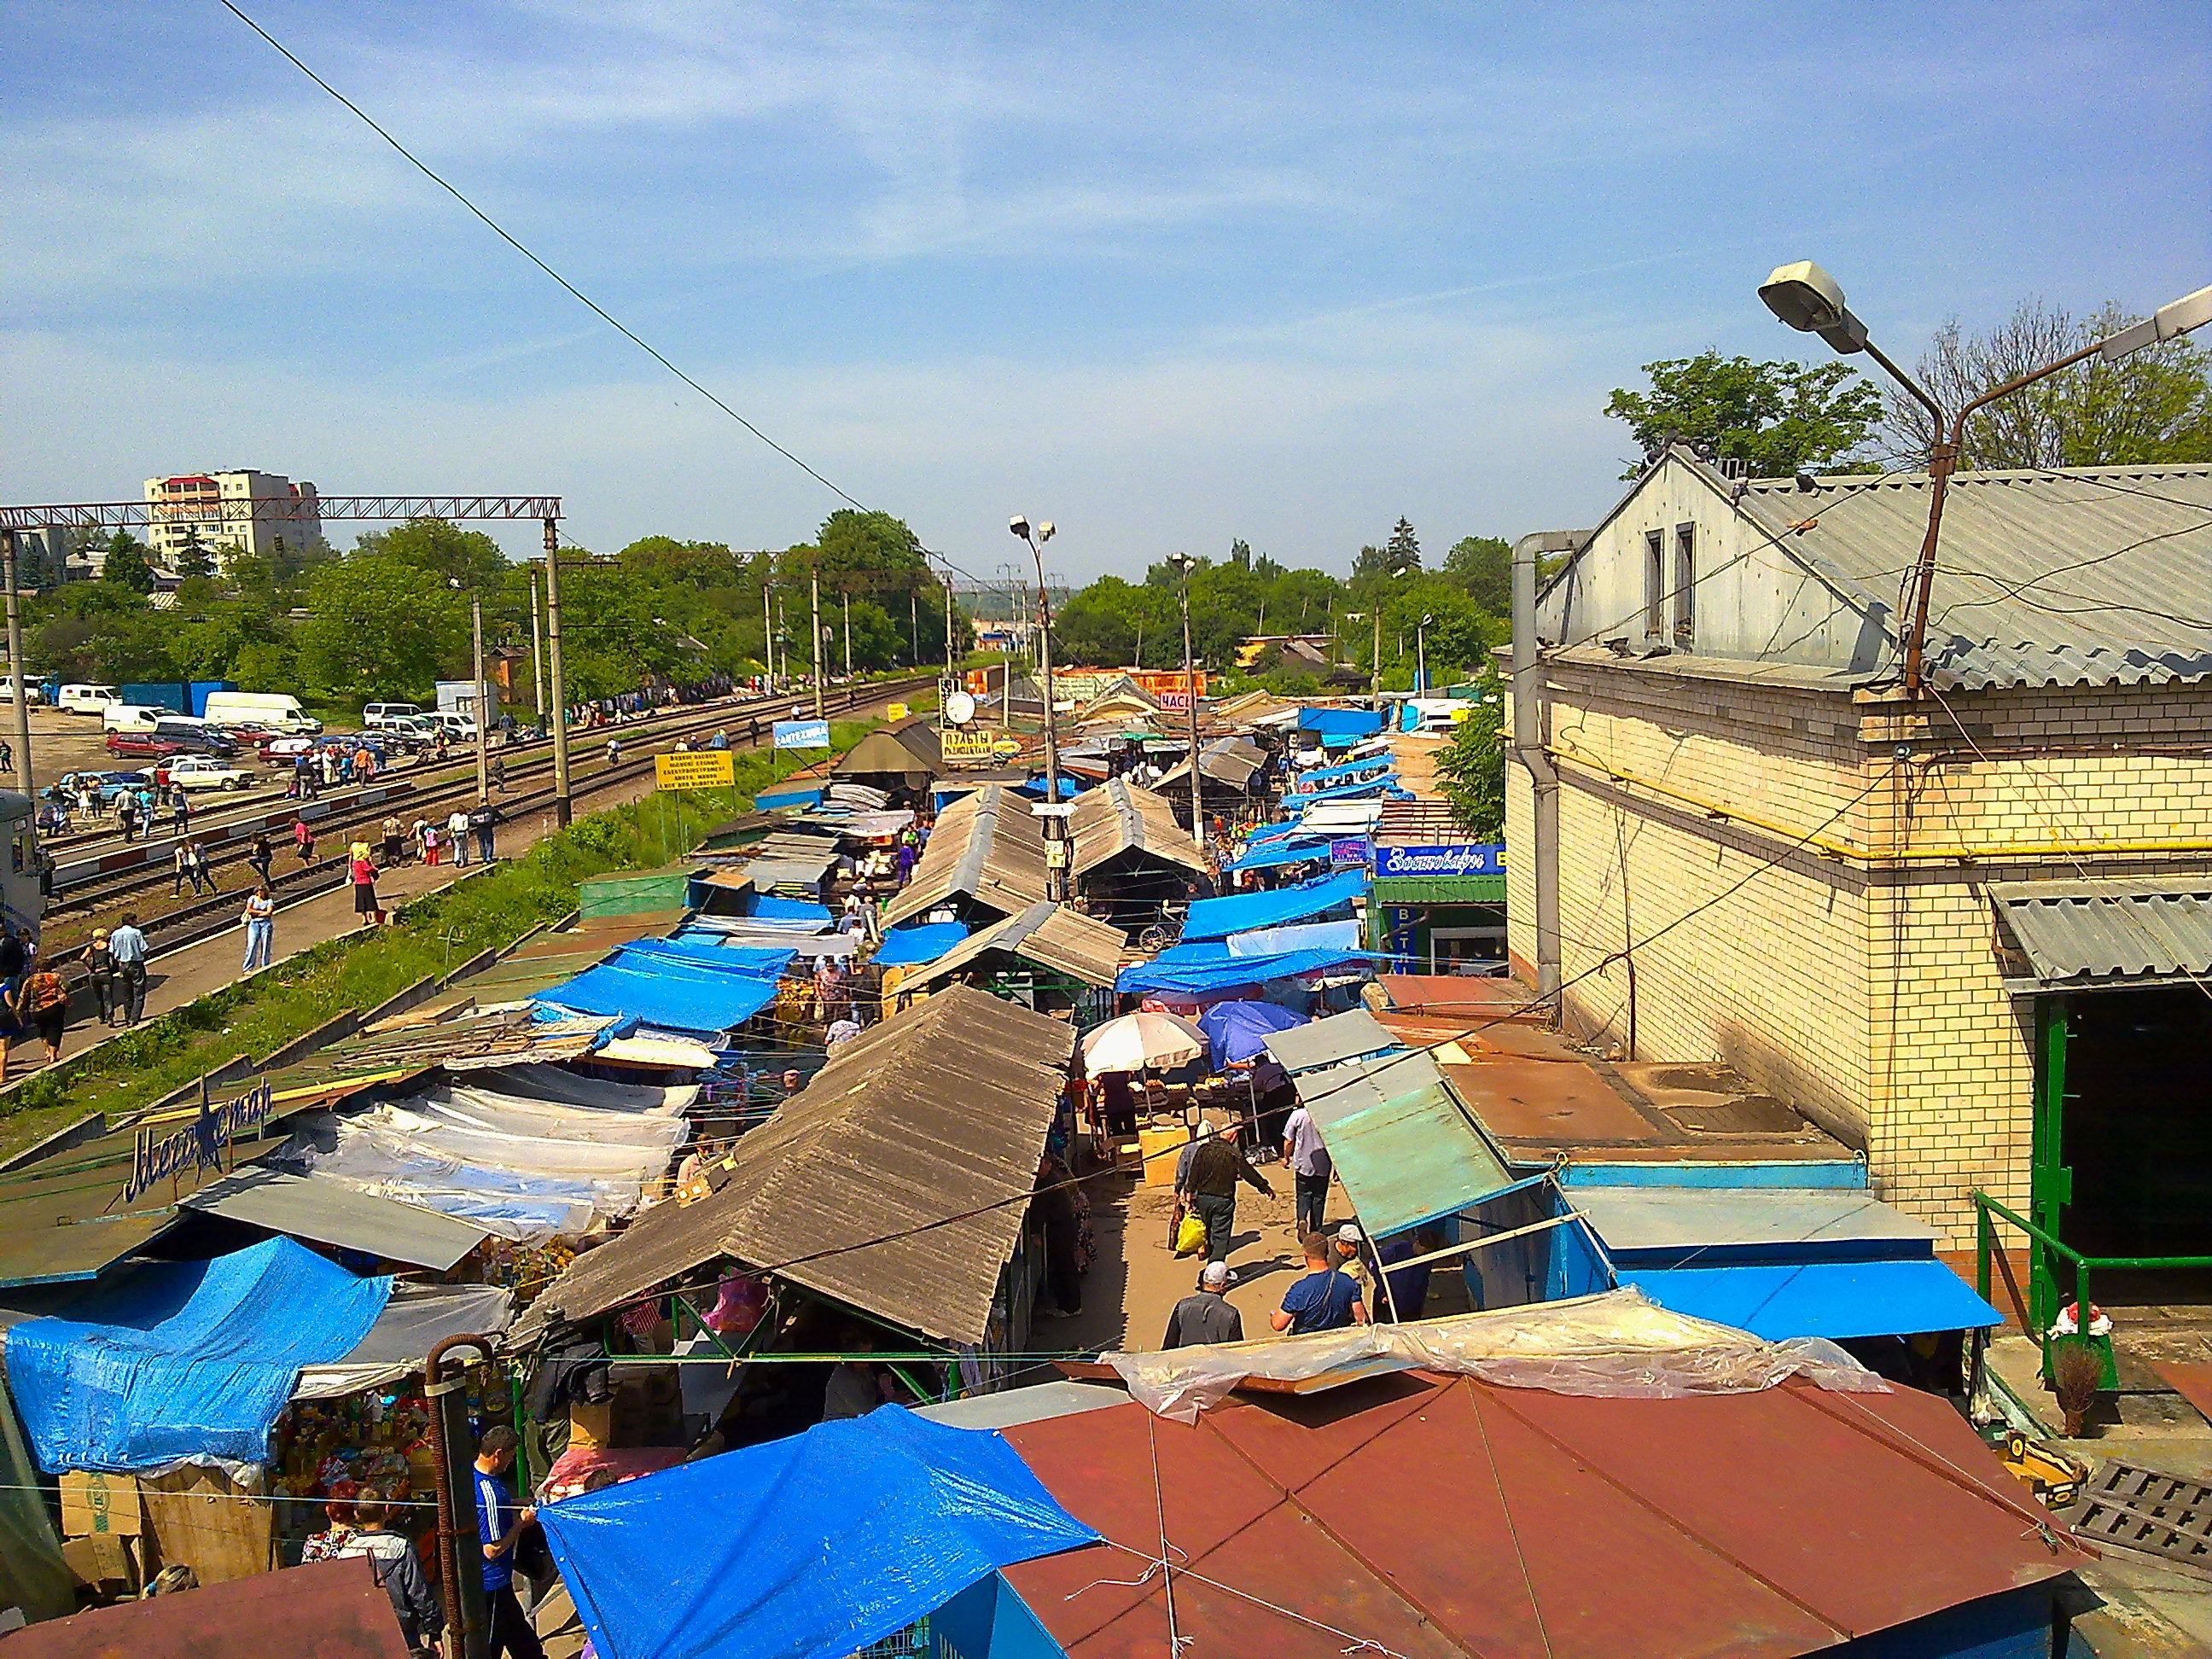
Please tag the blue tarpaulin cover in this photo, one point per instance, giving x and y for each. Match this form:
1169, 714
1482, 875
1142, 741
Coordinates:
1274, 831
1834, 1299
677, 985
1298, 936
1193, 977
1236, 1031
1339, 722
807, 1547
1350, 768
1388, 784
1267, 854
179, 1359
768, 905
903, 947
1241, 913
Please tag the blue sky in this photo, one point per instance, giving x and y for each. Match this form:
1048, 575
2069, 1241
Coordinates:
1164, 274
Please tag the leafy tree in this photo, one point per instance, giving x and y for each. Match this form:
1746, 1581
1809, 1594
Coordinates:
445, 550
2152, 408
1779, 417
1483, 568
376, 627
1472, 766
126, 565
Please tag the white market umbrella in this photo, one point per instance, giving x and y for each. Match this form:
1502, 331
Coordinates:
1136, 1041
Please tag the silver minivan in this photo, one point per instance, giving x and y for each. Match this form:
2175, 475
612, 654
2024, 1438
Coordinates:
376, 716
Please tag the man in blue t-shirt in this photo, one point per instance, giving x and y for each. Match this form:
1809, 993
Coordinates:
499, 1523
1324, 1300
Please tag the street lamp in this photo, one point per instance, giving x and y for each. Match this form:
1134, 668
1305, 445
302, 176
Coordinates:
1019, 525
1809, 300
1186, 564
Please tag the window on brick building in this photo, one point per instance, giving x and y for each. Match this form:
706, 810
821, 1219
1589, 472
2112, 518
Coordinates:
1655, 583
1686, 586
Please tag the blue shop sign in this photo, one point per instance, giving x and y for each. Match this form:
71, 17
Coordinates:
1473, 858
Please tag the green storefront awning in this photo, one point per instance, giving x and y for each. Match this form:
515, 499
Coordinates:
1439, 890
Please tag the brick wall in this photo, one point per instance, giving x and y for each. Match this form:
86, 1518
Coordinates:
1867, 993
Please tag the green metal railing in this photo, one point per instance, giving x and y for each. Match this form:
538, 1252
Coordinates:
2042, 1302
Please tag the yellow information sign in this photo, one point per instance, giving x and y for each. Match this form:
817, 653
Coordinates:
897, 711
967, 745
696, 768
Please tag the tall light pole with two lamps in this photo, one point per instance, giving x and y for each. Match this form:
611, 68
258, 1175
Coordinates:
1184, 563
1809, 300
1055, 825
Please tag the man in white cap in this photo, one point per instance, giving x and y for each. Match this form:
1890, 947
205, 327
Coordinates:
1206, 1316
1351, 1261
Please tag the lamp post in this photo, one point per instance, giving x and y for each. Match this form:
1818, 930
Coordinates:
1186, 564
1019, 525
1811, 301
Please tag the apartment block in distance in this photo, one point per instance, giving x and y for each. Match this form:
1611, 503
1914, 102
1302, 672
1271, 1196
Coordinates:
250, 512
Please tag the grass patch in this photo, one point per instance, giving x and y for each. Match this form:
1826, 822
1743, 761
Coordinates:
361, 970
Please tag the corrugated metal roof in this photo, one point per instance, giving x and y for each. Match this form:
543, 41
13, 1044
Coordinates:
2107, 931
1230, 761
939, 1110
326, 1610
327, 1211
2088, 576
1121, 820
1330, 1041
1739, 1223
910, 752
987, 847
1405, 1148
1442, 1517
1053, 935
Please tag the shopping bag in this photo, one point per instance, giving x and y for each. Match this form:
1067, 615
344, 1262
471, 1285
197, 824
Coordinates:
1190, 1237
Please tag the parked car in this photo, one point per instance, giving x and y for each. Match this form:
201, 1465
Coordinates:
196, 738
457, 727
198, 772
142, 745
108, 784
377, 716
85, 699
141, 717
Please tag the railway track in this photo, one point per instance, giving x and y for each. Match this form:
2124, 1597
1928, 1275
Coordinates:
186, 922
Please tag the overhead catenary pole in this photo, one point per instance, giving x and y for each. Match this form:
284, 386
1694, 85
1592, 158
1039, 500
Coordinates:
482, 703
848, 599
563, 799
1531, 747
814, 637
913, 624
536, 653
24, 779
768, 638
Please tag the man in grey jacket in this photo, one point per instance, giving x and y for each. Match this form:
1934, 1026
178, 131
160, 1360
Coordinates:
1206, 1316
398, 1568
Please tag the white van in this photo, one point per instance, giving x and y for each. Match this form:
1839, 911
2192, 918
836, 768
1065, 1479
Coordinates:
376, 716
141, 717
458, 727
278, 710
85, 699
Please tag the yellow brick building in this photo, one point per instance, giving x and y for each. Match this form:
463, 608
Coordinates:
1969, 934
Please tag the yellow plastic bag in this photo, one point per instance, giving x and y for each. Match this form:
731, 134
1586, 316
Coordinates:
1190, 1237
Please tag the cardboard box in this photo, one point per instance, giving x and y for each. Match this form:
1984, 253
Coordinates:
102, 1561
93, 1504
590, 1426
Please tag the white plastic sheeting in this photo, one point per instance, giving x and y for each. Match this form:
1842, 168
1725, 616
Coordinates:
413, 1133
573, 1089
1619, 1343
516, 1114
525, 1209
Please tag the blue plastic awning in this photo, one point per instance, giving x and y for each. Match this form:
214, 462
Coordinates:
1242, 913
1387, 784
179, 1359
906, 947
808, 1547
669, 995
1834, 1299
1271, 831
1352, 768
768, 907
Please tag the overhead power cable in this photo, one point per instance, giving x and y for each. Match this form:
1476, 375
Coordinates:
507, 236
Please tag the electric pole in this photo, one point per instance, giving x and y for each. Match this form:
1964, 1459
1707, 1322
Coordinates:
563, 801
484, 704
23, 778
814, 636
1185, 563
536, 653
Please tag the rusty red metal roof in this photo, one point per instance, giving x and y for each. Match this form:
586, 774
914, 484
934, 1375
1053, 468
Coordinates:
1445, 1518
331, 1610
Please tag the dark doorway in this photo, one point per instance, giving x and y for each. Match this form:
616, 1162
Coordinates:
2138, 1127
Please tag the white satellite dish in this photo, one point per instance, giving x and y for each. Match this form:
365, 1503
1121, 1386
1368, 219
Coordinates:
960, 708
